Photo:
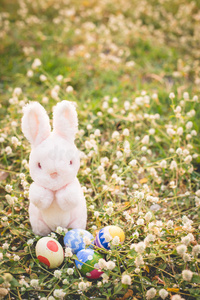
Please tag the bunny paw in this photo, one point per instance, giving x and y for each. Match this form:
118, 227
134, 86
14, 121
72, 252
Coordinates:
40, 197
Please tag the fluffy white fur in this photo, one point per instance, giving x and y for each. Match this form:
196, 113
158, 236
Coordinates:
56, 197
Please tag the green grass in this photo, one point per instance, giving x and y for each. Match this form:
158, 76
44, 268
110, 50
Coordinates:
135, 51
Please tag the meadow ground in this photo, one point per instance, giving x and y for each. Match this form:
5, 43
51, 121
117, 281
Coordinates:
133, 69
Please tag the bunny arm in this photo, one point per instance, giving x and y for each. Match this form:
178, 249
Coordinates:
70, 196
40, 197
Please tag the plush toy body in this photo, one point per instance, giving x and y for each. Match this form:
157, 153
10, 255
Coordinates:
56, 197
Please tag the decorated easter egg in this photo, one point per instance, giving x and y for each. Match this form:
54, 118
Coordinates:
106, 234
50, 252
78, 239
87, 262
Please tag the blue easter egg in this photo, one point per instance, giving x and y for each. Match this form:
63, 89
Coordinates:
106, 234
75, 239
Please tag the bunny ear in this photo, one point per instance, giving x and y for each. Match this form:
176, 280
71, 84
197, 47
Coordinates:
35, 123
65, 120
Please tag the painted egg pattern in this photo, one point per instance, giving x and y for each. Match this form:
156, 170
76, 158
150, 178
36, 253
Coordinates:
50, 252
87, 263
75, 239
106, 234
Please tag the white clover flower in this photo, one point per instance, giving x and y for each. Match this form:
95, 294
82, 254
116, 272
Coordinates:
69, 89
197, 193
105, 277
15, 141
130, 64
163, 164
148, 216
189, 125
43, 78
59, 77
155, 96
193, 133
109, 211
170, 131
119, 154
126, 132
36, 63
176, 297
107, 237
133, 162
97, 132
34, 283
17, 91
70, 271
137, 270
16, 257
179, 151
110, 204
96, 214
179, 131
110, 265
188, 159
82, 286
54, 94
186, 257
57, 274
115, 135
171, 95
181, 249
126, 279
173, 165
186, 152
99, 284
10, 199
150, 238
145, 139
163, 293
140, 247
8, 150
177, 109
127, 105
187, 275
140, 195
59, 229
29, 73
102, 263
30, 242
68, 252
116, 241
105, 105
135, 234
140, 222
152, 131
187, 239
5, 246
150, 294
139, 261
196, 250
58, 293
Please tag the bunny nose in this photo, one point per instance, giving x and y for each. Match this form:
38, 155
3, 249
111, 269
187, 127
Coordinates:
54, 175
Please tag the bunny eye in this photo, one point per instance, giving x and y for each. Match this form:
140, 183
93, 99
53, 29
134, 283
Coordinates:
70, 162
39, 166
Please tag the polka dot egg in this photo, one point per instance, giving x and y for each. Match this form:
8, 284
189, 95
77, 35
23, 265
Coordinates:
78, 239
107, 234
87, 263
50, 252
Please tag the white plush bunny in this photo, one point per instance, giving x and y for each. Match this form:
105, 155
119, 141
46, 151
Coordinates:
56, 197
